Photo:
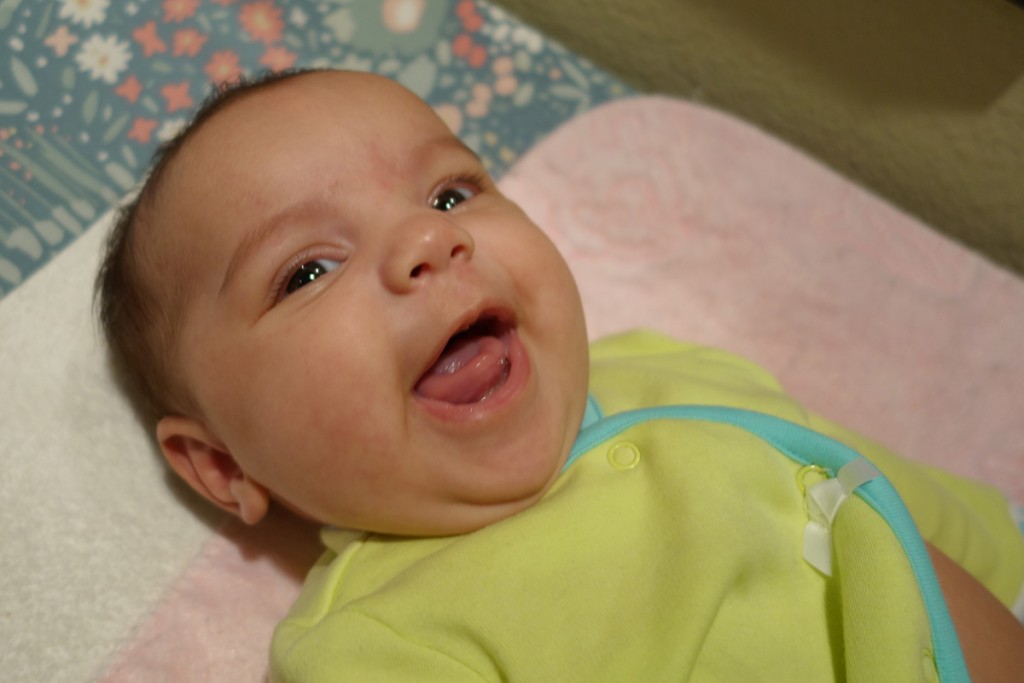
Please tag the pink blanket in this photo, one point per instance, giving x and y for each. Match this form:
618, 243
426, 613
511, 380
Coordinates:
682, 219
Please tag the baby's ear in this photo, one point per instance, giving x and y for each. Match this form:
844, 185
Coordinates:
202, 460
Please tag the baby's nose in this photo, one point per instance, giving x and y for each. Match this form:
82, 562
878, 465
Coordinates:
421, 247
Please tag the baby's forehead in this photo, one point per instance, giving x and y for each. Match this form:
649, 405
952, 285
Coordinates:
276, 141
304, 95
345, 123
255, 146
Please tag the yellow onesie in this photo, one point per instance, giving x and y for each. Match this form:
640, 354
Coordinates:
706, 528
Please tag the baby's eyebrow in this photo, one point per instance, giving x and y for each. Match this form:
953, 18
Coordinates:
255, 238
436, 146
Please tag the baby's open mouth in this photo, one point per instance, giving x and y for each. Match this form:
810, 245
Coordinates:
472, 366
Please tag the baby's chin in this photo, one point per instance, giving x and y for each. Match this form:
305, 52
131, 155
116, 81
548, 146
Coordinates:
459, 522
448, 519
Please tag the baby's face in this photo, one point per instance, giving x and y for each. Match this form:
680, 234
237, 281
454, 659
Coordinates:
375, 334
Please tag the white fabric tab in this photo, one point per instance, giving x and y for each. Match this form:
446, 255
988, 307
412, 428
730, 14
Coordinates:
823, 502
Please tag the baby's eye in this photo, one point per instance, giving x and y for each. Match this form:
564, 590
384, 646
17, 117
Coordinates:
450, 197
308, 272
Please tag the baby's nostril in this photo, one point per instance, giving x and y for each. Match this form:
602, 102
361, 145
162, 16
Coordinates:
417, 271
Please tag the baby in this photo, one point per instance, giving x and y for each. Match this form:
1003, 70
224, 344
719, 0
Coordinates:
329, 306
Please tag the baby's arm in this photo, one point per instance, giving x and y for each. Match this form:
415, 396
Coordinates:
991, 638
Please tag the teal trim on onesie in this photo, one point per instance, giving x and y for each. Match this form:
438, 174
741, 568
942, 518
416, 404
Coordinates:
799, 443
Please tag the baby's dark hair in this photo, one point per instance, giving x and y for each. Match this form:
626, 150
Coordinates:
139, 318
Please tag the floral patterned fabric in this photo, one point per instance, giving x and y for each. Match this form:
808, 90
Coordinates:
89, 88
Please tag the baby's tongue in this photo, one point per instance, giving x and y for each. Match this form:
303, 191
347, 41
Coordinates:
467, 371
